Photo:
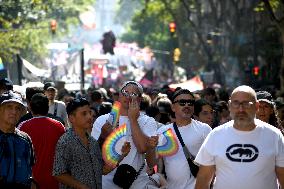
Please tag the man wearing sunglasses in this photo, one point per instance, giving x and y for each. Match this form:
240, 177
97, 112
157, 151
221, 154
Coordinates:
242, 153
140, 128
192, 132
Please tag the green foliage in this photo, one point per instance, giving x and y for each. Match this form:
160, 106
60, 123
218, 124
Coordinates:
275, 4
149, 27
235, 27
25, 25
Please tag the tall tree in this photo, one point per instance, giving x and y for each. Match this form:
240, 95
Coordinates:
275, 9
212, 34
25, 25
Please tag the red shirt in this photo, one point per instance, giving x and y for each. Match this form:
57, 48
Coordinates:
44, 133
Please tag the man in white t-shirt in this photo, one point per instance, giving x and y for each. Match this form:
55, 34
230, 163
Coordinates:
140, 128
243, 153
193, 134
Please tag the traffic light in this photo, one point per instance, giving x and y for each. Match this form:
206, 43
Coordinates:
53, 26
177, 54
172, 27
255, 70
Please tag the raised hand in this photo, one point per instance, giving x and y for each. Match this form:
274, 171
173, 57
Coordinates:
152, 142
134, 108
106, 130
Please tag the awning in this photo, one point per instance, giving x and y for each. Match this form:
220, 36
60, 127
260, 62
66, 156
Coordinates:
194, 84
34, 70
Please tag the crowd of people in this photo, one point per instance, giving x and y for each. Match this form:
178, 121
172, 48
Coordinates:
52, 138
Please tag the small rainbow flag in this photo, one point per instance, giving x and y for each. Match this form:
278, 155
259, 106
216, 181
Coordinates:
110, 155
170, 144
114, 114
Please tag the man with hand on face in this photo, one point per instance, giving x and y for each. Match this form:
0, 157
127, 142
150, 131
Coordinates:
242, 153
140, 128
192, 132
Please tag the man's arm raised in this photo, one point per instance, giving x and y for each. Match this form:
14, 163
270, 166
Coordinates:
139, 138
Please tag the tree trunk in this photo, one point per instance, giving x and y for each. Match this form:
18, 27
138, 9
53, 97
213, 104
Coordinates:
282, 61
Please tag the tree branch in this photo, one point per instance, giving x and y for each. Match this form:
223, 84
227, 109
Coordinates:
197, 30
214, 10
269, 8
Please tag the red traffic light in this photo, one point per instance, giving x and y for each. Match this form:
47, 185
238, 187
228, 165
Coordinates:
53, 25
172, 27
255, 70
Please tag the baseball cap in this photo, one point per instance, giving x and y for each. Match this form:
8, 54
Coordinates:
264, 96
7, 83
139, 86
49, 85
10, 96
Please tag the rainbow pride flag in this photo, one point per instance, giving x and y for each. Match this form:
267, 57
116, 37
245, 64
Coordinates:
169, 144
110, 148
114, 114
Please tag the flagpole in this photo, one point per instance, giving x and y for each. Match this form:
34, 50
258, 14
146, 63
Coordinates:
19, 65
82, 70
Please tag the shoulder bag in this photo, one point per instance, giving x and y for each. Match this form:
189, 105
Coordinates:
190, 158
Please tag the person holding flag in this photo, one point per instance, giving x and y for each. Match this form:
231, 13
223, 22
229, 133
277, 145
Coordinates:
190, 134
139, 131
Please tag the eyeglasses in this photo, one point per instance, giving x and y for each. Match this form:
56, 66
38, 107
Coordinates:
183, 102
128, 94
244, 104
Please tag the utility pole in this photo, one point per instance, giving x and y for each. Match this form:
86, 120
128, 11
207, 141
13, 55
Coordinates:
19, 66
82, 87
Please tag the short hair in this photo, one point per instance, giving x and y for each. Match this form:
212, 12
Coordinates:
76, 103
245, 88
39, 104
199, 104
164, 105
96, 95
30, 91
152, 111
208, 91
180, 92
221, 105
6, 84
145, 102
105, 108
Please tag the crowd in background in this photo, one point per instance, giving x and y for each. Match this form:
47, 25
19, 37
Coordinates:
210, 107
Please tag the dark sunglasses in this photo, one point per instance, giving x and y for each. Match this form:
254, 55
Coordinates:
183, 102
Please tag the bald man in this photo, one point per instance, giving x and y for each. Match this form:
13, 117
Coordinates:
244, 152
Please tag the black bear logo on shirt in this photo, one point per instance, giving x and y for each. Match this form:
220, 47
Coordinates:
242, 152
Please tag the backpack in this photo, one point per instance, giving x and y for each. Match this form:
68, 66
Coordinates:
16, 158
